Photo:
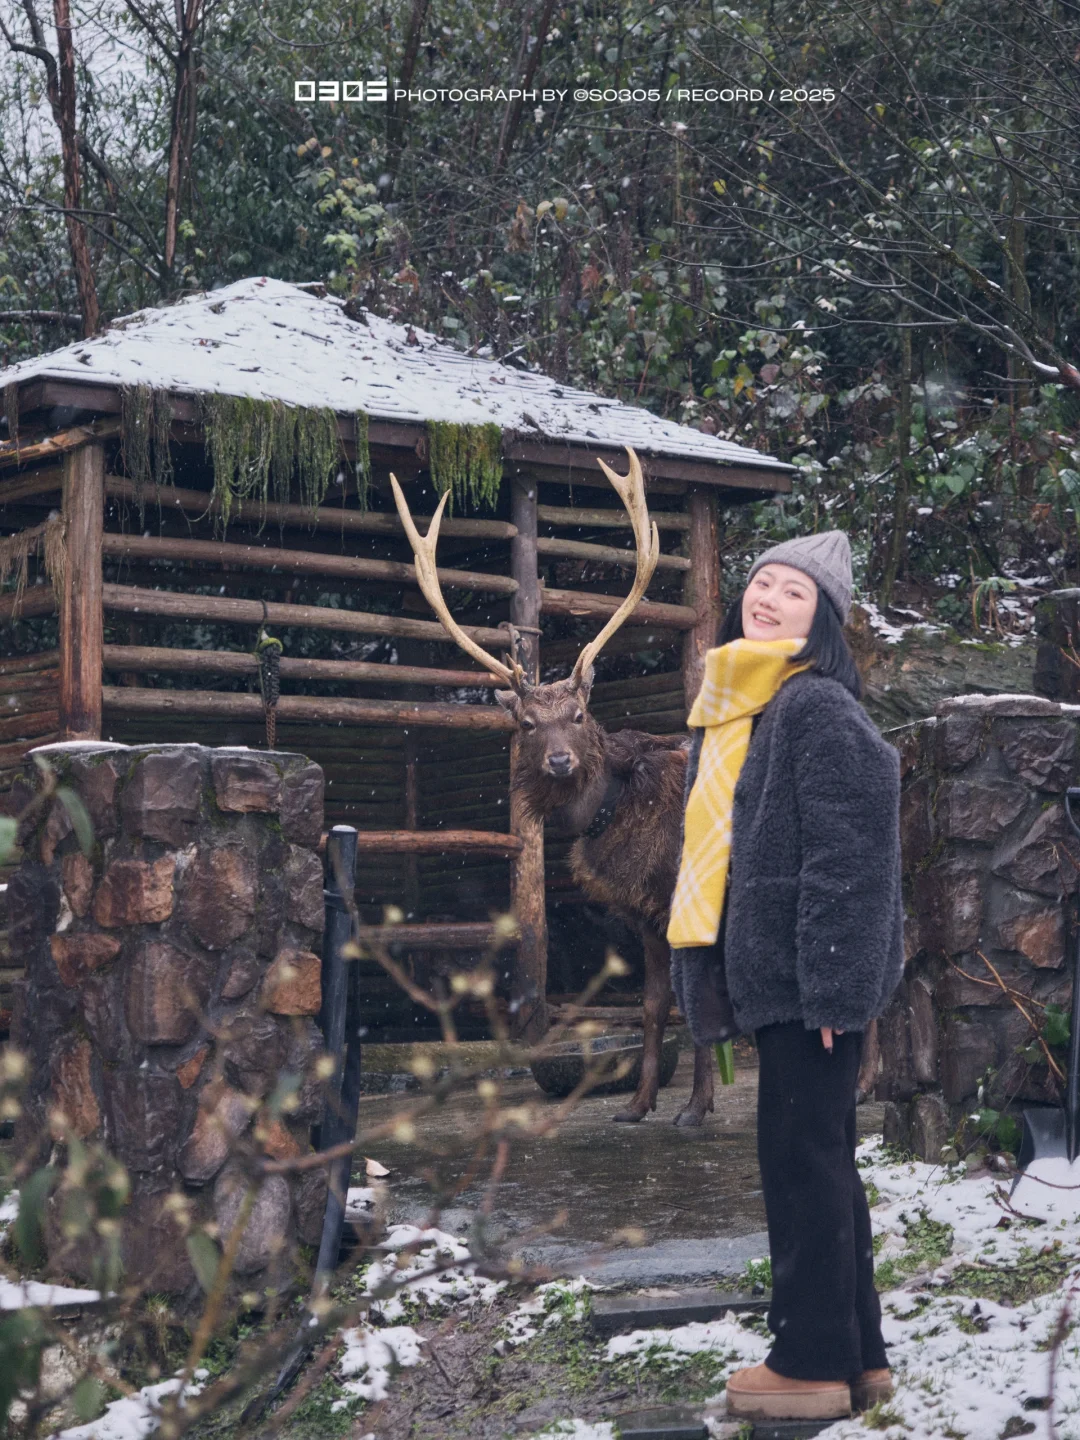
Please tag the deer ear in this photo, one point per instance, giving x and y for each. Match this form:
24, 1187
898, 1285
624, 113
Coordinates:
508, 699
585, 683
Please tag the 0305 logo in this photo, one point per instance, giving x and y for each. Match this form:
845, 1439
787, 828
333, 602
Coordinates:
329, 91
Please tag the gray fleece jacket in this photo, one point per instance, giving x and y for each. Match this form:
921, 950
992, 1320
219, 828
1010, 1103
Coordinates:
814, 914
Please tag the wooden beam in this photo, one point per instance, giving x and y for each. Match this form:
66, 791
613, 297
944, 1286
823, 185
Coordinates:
12, 452
648, 612
435, 842
81, 626
27, 727
26, 664
168, 661
318, 709
630, 640
296, 562
435, 936
14, 754
327, 517
528, 983
35, 600
45, 480
603, 554
579, 464
701, 590
135, 600
570, 515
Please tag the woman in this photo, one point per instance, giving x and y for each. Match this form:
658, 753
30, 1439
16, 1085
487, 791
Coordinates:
791, 852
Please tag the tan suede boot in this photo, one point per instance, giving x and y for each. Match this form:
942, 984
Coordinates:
761, 1394
871, 1387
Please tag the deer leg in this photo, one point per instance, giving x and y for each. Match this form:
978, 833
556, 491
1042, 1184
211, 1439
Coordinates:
658, 997
701, 1096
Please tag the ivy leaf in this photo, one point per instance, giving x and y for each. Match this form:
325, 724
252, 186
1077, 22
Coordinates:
1057, 1025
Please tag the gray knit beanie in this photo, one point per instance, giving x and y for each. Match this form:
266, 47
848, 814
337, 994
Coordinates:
825, 557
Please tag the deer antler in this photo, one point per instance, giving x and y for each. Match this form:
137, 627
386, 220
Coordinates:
428, 578
631, 491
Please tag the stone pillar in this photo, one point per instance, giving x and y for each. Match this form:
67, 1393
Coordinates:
172, 985
990, 865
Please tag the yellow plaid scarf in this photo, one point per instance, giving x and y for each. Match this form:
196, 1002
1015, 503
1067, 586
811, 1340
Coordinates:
740, 680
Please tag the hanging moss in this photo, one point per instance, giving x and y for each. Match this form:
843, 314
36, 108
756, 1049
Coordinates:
145, 423
47, 540
467, 460
256, 448
362, 462
318, 454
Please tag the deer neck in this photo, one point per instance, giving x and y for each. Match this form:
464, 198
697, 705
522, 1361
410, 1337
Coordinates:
592, 806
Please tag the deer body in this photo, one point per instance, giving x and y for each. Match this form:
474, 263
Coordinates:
621, 795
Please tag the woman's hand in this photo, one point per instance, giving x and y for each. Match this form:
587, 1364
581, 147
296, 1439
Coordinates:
826, 1037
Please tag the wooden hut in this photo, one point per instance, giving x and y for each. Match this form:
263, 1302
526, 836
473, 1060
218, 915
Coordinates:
219, 467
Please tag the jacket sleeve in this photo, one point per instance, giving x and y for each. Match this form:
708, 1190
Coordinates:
847, 797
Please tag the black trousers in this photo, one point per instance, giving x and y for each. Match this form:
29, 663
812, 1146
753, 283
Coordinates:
825, 1312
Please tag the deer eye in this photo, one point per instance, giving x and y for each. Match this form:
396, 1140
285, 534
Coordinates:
579, 717
528, 724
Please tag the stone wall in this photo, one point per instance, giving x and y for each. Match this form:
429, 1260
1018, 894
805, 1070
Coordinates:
990, 864
172, 984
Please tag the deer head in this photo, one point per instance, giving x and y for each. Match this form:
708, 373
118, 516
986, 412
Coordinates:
561, 741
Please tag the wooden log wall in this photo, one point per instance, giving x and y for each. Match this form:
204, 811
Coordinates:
402, 755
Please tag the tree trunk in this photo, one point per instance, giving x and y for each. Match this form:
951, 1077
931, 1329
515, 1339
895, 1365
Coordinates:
69, 146
181, 123
528, 991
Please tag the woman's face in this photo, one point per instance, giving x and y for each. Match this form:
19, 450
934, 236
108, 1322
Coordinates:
779, 604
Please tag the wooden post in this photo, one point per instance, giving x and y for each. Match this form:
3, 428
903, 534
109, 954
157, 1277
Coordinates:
81, 633
528, 988
701, 588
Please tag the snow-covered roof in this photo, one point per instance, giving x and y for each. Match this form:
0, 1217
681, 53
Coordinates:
274, 341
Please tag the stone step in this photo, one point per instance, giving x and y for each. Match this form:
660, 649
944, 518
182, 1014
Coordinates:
687, 1422
664, 1309
666, 1422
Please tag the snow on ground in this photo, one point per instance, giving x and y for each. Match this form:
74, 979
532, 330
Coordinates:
133, 1417
553, 1302
360, 1203
457, 1284
893, 634
373, 1355
16, 1295
963, 1367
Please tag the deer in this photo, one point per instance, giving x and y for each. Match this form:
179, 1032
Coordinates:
620, 795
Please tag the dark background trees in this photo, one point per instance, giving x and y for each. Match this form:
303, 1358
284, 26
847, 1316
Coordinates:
879, 283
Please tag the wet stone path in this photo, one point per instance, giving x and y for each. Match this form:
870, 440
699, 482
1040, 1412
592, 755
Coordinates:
695, 1193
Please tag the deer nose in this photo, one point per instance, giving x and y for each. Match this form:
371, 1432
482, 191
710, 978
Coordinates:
561, 763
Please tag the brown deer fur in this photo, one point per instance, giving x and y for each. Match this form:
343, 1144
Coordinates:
625, 789
566, 763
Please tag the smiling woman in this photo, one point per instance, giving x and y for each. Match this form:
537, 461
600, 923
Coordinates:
787, 922
779, 604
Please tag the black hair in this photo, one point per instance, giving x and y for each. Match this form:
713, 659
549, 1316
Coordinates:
826, 646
